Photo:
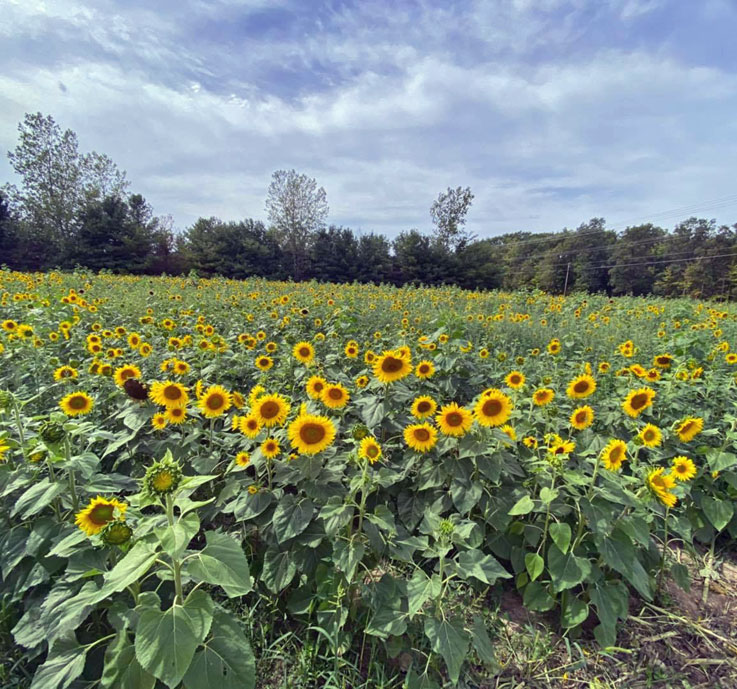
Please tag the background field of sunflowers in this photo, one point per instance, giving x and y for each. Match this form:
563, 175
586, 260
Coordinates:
362, 467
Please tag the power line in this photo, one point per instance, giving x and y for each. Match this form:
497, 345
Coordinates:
652, 263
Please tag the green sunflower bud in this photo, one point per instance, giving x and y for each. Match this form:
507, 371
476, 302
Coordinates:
116, 532
51, 432
359, 431
164, 477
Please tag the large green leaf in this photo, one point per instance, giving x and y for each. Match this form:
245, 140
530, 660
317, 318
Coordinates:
174, 539
222, 563
610, 599
482, 642
291, 517
279, 570
534, 564
566, 570
166, 640
718, 512
36, 498
225, 660
524, 505
63, 665
420, 589
136, 562
122, 670
450, 640
486, 568
537, 598
346, 555
619, 553
560, 532
335, 514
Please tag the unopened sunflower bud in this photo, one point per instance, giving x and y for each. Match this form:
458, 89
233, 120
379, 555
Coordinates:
51, 432
163, 477
117, 532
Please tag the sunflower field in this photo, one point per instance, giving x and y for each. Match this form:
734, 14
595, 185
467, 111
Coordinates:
360, 467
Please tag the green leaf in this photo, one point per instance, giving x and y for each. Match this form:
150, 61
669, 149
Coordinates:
174, 539
335, 514
486, 568
610, 599
225, 661
560, 532
279, 570
619, 553
719, 461
249, 506
347, 555
420, 589
537, 598
166, 640
222, 563
450, 640
136, 562
566, 570
718, 512
482, 642
534, 564
63, 665
386, 622
383, 518
547, 495
524, 505
574, 611
122, 670
681, 576
291, 517
36, 498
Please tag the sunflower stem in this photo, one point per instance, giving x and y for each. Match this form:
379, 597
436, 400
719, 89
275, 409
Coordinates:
179, 598
19, 426
665, 549
72, 485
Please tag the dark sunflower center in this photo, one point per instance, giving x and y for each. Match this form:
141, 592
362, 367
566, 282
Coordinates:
454, 419
372, 451
616, 454
424, 368
649, 435
581, 417
658, 482
639, 401
312, 433
515, 380
304, 352
215, 401
172, 392
269, 409
492, 408
581, 386
424, 407
101, 514
687, 427
335, 394
391, 365
78, 402
422, 434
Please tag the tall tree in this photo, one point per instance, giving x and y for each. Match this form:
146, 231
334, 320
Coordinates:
448, 213
633, 257
296, 208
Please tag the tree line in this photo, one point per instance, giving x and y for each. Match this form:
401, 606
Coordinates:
74, 209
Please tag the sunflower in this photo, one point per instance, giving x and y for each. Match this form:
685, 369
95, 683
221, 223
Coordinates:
561, 448
604, 367
650, 435
303, 352
582, 417
638, 370
158, 421
581, 386
264, 363
509, 432
530, 441
351, 349
652, 375
683, 468
315, 385
99, 511
311, 434
661, 484
689, 428
249, 425
334, 396
9, 326
124, 373
515, 380
554, 346
77, 403
65, 373
493, 408
421, 436
454, 420
637, 401
425, 369
543, 396
270, 448
663, 361
180, 367
176, 415
169, 394
215, 401
237, 399
243, 459
614, 454
362, 381
392, 366
270, 410
423, 407
370, 449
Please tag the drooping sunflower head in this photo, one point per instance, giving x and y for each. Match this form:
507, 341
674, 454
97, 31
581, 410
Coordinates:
116, 532
454, 420
392, 366
334, 396
270, 410
614, 454
421, 437
493, 408
310, 434
215, 401
423, 407
98, 513
370, 450
581, 386
76, 403
661, 485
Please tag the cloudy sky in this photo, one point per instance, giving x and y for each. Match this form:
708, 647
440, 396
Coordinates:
552, 111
